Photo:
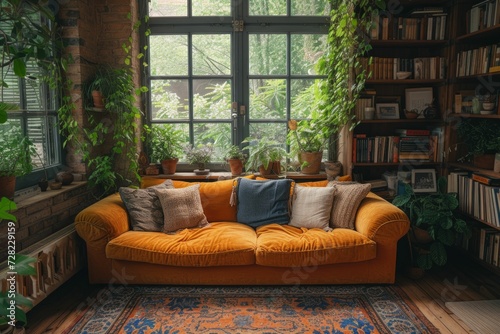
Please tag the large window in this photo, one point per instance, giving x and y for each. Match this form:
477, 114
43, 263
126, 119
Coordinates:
224, 70
34, 105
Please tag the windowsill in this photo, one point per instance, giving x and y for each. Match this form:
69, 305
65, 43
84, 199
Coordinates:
50, 194
214, 176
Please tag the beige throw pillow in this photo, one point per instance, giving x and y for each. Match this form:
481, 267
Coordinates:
181, 208
312, 206
348, 197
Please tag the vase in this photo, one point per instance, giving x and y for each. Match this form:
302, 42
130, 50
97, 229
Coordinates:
312, 160
66, 178
333, 169
43, 184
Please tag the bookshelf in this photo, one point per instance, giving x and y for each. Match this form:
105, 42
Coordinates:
474, 73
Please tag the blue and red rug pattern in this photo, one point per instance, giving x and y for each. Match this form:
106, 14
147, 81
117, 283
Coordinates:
303, 309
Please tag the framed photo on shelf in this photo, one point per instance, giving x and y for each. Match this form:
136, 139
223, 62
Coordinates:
387, 111
423, 180
418, 98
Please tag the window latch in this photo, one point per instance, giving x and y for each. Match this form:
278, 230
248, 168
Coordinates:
238, 25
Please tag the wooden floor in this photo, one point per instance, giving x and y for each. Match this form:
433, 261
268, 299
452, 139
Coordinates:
458, 281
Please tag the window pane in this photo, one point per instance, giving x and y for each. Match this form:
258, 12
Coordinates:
267, 54
212, 54
211, 8
310, 7
273, 131
168, 8
212, 99
267, 7
303, 94
10, 94
268, 99
169, 55
306, 51
217, 134
36, 131
169, 99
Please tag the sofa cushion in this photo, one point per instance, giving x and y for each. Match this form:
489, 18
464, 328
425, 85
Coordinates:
312, 206
144, 207
288, 246
220, 244
181, 208
263, 202
348, 197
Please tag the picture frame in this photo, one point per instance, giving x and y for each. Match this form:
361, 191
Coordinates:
423, 180
419, 99
387, 110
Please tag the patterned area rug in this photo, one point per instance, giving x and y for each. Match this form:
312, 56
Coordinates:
304, 309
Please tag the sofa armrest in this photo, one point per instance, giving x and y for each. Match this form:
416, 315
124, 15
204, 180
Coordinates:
105, 219
380, 220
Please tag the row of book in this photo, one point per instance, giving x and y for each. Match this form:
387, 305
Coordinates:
482, 15
483, 60
484, 244
464, 101
478, 195
423, 25
420, 68
409, 145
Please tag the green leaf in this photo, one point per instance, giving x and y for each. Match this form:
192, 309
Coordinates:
23, 266
438, 253
20, 67
7, 205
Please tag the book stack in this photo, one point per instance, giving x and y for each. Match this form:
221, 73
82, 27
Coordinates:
426, 68
483, 15
415, 145
366, 99
463, 101
424, 24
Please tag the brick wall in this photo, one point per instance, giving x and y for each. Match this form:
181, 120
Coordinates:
40, 216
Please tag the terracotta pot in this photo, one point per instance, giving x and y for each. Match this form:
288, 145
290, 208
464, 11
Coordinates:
169, 166
98, 99
274, 168
420, 236
313, 160
7, 186
236, 166
484, 161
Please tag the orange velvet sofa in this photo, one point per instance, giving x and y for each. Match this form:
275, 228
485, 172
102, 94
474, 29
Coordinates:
229, 253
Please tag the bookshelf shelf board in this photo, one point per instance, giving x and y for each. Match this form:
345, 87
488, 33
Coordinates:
406, 162
491, 116
477, 260
480, 35
424, 121
469, 167
384, 43
486, 76
478, 220
405, 81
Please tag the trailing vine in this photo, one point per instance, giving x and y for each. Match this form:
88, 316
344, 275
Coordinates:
350, 23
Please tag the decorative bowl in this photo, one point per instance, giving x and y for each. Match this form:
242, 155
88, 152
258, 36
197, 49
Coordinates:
411, 114
486, 112
403, 75
55, 185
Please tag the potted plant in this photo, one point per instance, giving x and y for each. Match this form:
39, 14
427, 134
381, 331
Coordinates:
99, 87
264, 155
307, 144
199, 156
235, 158
16, 153
433, 214
164, 146
482, 139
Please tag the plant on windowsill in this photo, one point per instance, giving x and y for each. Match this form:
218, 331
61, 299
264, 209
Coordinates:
16, 152
307, 144
435, 214
199, 156
264, 155
235, 158
164, 146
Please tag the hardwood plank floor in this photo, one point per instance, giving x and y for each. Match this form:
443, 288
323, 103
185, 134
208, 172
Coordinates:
460, 280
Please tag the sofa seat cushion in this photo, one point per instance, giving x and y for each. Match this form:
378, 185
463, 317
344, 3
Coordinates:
288, 246
220, 244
